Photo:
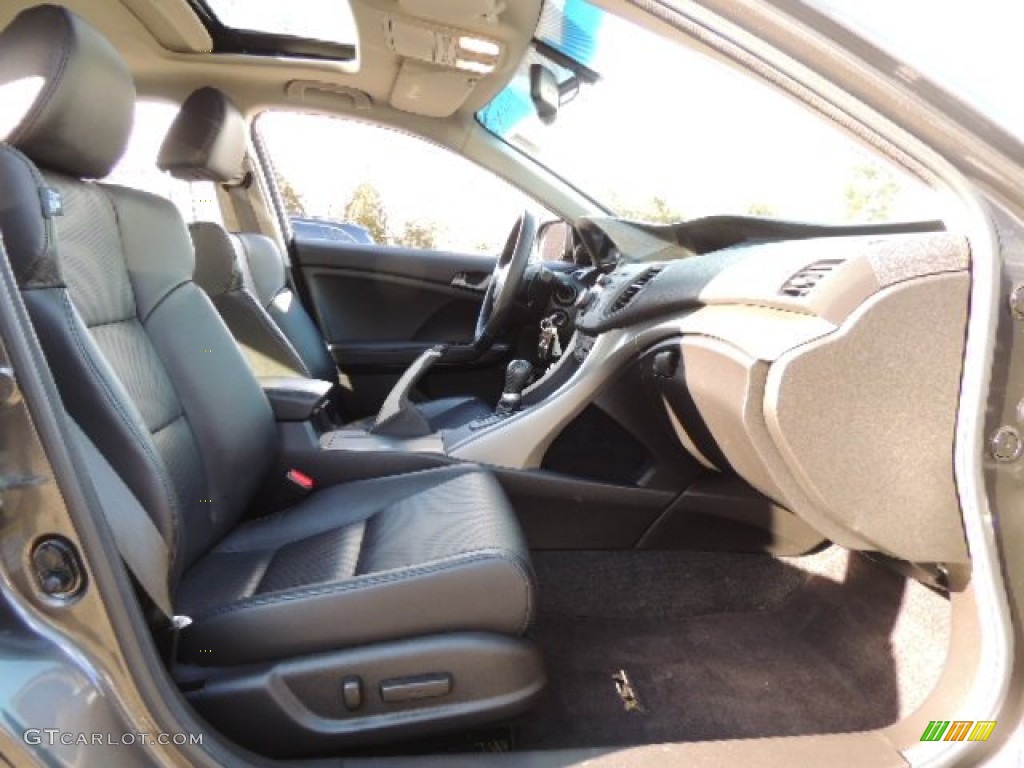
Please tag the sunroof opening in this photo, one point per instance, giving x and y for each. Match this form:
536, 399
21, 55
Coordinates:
317, 28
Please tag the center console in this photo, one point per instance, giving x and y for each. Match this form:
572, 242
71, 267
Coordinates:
314, 441
294, 399
399, 436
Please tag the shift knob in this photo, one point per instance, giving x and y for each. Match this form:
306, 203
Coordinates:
517, 375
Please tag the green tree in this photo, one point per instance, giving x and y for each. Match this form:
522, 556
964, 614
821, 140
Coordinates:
294, 204
870, 194
761, 209
656, 211
366, 208
418, 233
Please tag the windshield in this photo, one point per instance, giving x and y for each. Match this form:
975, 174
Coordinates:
666, 133
973, 49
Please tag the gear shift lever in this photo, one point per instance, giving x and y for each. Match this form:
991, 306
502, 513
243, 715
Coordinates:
516, 377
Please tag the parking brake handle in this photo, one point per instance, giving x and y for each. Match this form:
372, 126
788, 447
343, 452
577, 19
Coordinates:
399, 417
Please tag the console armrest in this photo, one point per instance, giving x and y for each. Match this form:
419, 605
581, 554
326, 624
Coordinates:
296, 399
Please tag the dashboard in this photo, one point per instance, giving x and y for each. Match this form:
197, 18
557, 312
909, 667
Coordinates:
824, 372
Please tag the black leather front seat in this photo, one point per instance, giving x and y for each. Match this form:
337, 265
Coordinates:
244, 273
372, 587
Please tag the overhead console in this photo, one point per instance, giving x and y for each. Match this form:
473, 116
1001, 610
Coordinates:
825, 373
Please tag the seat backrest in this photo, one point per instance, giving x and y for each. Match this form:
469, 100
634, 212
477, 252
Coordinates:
245, 273
222, 271
143, 361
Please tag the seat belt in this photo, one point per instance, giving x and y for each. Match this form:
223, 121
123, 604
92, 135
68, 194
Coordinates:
138, 541
241, 206
239, 199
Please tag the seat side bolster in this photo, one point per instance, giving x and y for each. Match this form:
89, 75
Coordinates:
103, 406
487, 591
27, 229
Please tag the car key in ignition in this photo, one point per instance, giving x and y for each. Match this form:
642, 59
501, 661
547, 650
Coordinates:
549, 345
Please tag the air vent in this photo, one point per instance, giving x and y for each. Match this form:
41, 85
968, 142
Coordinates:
804, 281
633, 289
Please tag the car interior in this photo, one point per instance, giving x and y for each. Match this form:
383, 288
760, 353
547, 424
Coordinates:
683, 486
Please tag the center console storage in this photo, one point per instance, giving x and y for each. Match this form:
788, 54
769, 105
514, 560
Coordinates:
312, 439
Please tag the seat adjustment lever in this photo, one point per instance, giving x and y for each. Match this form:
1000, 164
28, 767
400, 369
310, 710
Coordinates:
420, 687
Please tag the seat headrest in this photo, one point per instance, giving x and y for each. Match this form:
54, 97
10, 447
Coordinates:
206, 141
75, 96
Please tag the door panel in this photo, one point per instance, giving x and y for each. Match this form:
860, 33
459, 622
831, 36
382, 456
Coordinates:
349, 187
433, 266
365, 308
380, 306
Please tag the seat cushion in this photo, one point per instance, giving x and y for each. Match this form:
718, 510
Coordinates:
384, 559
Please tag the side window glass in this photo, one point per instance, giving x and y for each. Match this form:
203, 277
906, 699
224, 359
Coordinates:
353, 182
197, 200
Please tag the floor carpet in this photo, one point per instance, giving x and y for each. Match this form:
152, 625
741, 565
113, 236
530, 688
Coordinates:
720, 646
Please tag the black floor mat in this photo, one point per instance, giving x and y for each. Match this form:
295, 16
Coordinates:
727, 646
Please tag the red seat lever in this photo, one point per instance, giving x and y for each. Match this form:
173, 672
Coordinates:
300, 479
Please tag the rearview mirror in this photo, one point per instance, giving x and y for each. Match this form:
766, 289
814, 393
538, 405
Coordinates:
545, 93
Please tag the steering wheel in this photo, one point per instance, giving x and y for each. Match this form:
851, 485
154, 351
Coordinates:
506, 280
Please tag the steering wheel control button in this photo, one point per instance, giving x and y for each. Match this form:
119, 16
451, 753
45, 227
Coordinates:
352, 692
412, 688
1006, 445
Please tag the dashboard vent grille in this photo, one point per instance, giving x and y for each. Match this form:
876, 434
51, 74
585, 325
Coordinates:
804, 281
633, 289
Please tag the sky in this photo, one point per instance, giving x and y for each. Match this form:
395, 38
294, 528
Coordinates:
324, 19
974, 47
669, 121
665, 121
